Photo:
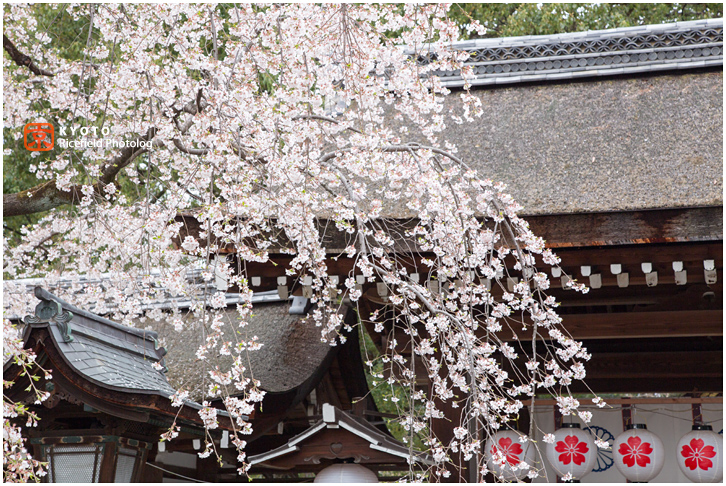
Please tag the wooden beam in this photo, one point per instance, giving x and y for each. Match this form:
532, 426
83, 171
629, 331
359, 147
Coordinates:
571, 257
610, 228
684, 297
635, 254
638, 325
640, 401
629, 227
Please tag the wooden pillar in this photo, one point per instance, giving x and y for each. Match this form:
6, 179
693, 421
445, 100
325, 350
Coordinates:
150, 474
558, 425
108, 466
627, 413
696, 410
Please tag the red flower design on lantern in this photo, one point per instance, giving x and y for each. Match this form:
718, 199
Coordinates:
572, 450
698, 455
510, 450
635, 451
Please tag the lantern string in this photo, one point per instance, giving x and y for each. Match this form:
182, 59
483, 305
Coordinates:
659, 411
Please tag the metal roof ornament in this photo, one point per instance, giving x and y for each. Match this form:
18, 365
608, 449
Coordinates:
52, 312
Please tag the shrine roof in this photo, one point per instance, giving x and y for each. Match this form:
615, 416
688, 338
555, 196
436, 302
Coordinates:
291, 353
623, 144
103, 352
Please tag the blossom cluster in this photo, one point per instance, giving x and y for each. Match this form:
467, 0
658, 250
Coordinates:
18, 464
265, 121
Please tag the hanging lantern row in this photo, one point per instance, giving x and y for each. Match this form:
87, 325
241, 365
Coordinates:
638, 453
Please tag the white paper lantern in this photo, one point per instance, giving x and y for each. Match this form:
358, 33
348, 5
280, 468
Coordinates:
700, 455
346, 473
505, 455
639, 454
573, 452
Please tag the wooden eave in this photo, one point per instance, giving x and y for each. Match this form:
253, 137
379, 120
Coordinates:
338, 436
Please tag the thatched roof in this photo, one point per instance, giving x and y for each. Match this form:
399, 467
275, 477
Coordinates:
617, 144
292, 350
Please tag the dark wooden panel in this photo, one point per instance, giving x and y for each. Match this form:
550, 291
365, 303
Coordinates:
652, 372
639, 325
650, 385
559, 230
655, 365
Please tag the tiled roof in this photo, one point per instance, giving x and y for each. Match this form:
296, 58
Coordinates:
101, 351
112, 362
629, 50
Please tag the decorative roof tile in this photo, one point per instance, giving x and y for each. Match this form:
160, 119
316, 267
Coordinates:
640, 49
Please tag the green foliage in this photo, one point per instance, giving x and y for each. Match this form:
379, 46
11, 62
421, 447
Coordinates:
384, 394
515, 19
67, 35
17, 177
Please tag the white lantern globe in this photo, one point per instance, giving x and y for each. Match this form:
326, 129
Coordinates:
700, 455
638, 454
573, 451
346, 473
506, 455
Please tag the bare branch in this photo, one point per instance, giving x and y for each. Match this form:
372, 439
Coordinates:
395, 148
191, 151
214, 34
23, 60
323, 118
46, 196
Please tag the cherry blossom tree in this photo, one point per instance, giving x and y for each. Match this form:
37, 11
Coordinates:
259, 122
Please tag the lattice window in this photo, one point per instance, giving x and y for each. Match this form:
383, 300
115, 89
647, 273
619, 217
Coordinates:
74, 463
